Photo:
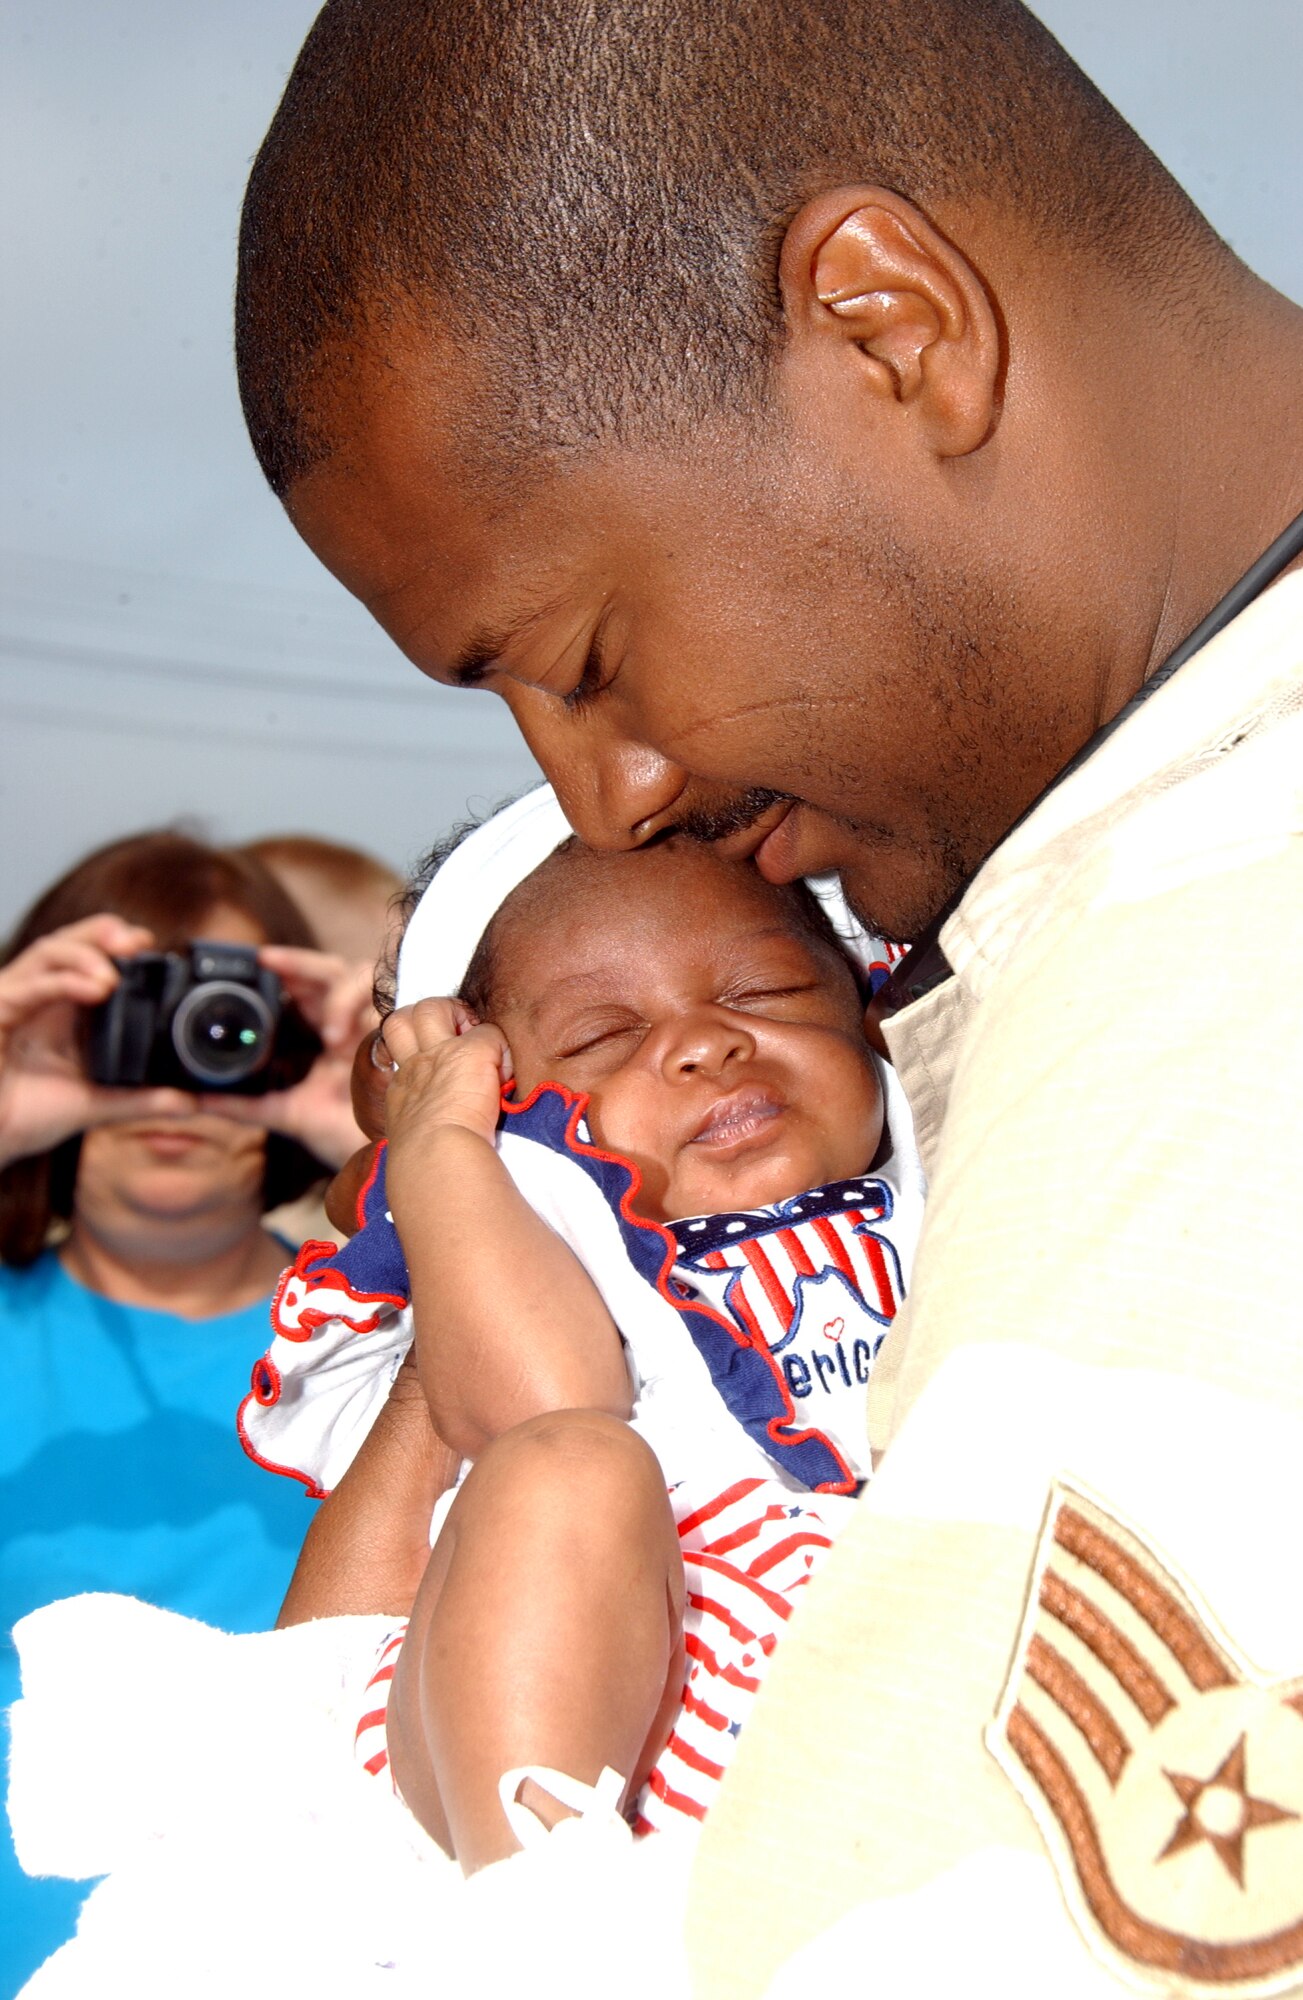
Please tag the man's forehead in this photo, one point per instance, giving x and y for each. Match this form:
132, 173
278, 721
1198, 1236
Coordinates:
386, 463
451, 575
454, 565
415, 430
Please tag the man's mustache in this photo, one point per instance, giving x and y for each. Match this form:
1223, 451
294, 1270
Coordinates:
733, 816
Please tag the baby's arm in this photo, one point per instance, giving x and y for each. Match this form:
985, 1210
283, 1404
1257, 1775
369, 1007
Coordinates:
508, 1324
368, 1544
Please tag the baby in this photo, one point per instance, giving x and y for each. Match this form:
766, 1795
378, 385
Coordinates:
647, 1285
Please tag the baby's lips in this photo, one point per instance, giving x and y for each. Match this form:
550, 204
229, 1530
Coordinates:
751, 1101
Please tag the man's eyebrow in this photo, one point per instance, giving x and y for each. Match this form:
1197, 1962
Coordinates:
486, 645
478, 656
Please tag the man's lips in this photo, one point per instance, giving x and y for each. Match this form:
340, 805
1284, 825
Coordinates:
743, 844
786, 841
777, 855
802, 843
738, 1120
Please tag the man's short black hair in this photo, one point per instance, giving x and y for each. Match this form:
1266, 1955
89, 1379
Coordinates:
594, 192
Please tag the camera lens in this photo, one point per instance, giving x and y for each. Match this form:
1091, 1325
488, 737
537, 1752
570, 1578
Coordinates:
222, 1032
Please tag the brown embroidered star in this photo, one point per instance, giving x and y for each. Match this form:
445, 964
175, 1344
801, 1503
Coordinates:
1221, 1810
1165, 1773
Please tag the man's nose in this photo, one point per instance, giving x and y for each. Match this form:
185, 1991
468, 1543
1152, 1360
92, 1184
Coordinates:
704, 1043
615, 793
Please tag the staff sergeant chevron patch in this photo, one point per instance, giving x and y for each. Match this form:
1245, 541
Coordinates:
1165, 1774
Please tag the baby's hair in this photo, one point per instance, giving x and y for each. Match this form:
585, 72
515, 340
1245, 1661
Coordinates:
477, 986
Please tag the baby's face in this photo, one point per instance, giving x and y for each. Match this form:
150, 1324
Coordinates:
722, 1047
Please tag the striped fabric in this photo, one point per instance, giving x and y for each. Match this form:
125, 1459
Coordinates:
812, 1284
747, 1554
772, 1261
369, 1743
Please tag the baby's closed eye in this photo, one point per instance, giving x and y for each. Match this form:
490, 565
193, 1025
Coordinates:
766, 992
592, 1036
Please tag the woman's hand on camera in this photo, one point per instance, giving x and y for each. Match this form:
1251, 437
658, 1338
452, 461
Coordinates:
45, 1094
334, 997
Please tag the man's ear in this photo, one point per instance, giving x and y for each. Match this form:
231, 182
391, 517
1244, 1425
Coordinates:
873, 290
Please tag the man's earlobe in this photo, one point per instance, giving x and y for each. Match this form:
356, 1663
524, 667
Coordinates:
871, 283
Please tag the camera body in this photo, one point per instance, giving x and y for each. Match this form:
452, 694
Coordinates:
207, 1019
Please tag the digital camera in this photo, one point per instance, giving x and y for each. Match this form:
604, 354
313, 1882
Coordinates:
207, 1019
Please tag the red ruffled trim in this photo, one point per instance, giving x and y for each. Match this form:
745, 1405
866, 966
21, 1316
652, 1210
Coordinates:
578, 1106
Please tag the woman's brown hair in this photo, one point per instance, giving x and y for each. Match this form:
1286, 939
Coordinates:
169, 882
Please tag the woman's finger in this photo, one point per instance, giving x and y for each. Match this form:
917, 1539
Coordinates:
317, 1111
44, 987
57, 967
111, 933
301, 962
307, 976
348, 1010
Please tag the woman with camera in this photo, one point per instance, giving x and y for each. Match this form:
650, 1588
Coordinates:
135, 1268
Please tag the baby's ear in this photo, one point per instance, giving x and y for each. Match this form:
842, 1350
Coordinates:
368, 1085
343, 1196
464, 1017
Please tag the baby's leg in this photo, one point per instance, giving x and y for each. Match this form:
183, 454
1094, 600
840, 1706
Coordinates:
548, 1630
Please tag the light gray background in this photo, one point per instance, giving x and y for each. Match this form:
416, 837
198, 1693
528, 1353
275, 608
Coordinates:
167, 647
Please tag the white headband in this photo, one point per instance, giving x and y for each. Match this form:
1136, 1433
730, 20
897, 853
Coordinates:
470, 888
476, 879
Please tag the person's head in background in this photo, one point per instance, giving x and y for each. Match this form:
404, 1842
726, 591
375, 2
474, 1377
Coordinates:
145, 1196
346, 895
812, 417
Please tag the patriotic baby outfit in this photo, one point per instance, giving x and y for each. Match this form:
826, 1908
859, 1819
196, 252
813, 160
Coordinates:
749, 1338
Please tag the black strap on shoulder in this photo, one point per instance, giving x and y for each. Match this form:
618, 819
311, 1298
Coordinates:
925, 965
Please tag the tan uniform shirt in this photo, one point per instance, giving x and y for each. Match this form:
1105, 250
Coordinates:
1038, 1729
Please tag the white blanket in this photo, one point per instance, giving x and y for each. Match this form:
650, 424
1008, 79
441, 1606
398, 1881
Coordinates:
211, 1779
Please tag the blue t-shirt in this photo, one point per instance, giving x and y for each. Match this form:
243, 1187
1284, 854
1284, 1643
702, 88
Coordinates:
120, 1469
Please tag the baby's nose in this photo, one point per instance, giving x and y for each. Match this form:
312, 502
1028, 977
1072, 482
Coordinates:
706, 1044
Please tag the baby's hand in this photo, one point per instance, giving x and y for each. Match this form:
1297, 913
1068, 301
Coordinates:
449, 1069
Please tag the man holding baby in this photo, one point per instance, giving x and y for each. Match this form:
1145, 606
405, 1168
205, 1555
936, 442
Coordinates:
818, 423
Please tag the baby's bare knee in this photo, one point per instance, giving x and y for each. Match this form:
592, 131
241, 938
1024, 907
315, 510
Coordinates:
571, 1460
